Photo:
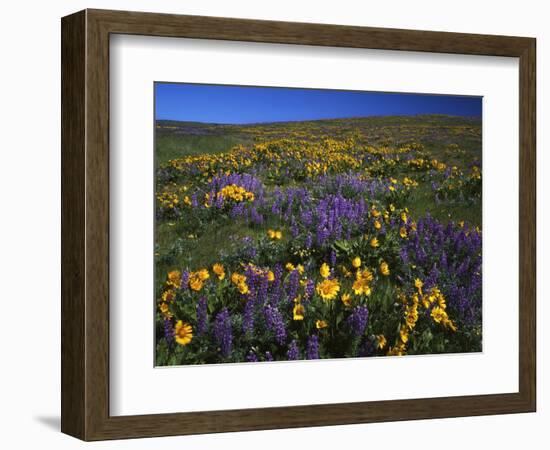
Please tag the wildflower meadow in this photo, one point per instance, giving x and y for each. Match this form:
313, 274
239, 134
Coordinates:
350, 237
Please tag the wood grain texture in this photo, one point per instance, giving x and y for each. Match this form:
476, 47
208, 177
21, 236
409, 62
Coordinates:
85, 224
73, 111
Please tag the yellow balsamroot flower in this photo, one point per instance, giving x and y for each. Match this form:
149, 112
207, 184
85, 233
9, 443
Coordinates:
328, 289
203, 274
165, 310
411, 316
195, 282
404, 216
356, 262
274, 234
398, 350
219, 271
374, 243
384, 268
300, 269
298, 311
403, 232
270, 276
243, 288
183, 333
377, 224
168, 296
404, 334
174, 278
418, 285
438, 314
381, 341
449, 324
237, 278
324, 270
365, 274
346, 299
361, 286
346, 272
320, 324
290, 267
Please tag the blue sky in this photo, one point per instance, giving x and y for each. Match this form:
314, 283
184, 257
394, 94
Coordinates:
244, 104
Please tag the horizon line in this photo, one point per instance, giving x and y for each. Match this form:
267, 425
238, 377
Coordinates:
324, 119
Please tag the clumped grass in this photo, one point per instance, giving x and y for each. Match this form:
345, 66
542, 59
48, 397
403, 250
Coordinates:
170, 145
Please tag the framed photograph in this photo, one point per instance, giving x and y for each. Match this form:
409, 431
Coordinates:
273, 225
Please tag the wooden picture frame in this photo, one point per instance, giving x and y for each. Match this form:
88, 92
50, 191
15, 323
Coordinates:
85, 224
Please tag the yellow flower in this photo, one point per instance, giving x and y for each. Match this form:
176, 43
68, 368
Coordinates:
168, 296
346, 299
320, 324
374, 243
361, 286
298, 312
449, 324
174, 278
438, 314
384, 269
243, 288
203, 274
346, 272
381, 340
418, 284
290, 267
377, 224
403, 232
237, 278
219, 271
328, 289
356, 262
300, 269
183, 333
195, 281
404, 217
270, 276
275, 235
411, 316
165, 310
324, 270
404, 334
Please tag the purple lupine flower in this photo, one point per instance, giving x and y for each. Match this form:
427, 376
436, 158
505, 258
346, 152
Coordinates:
293, 352
169, 332
251, 357
202, 316
293, 285
309, 290
332, 258
184, 279
268, 356
223, 332
277, 284
275, 324
358, 319
248, 316
312, 347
